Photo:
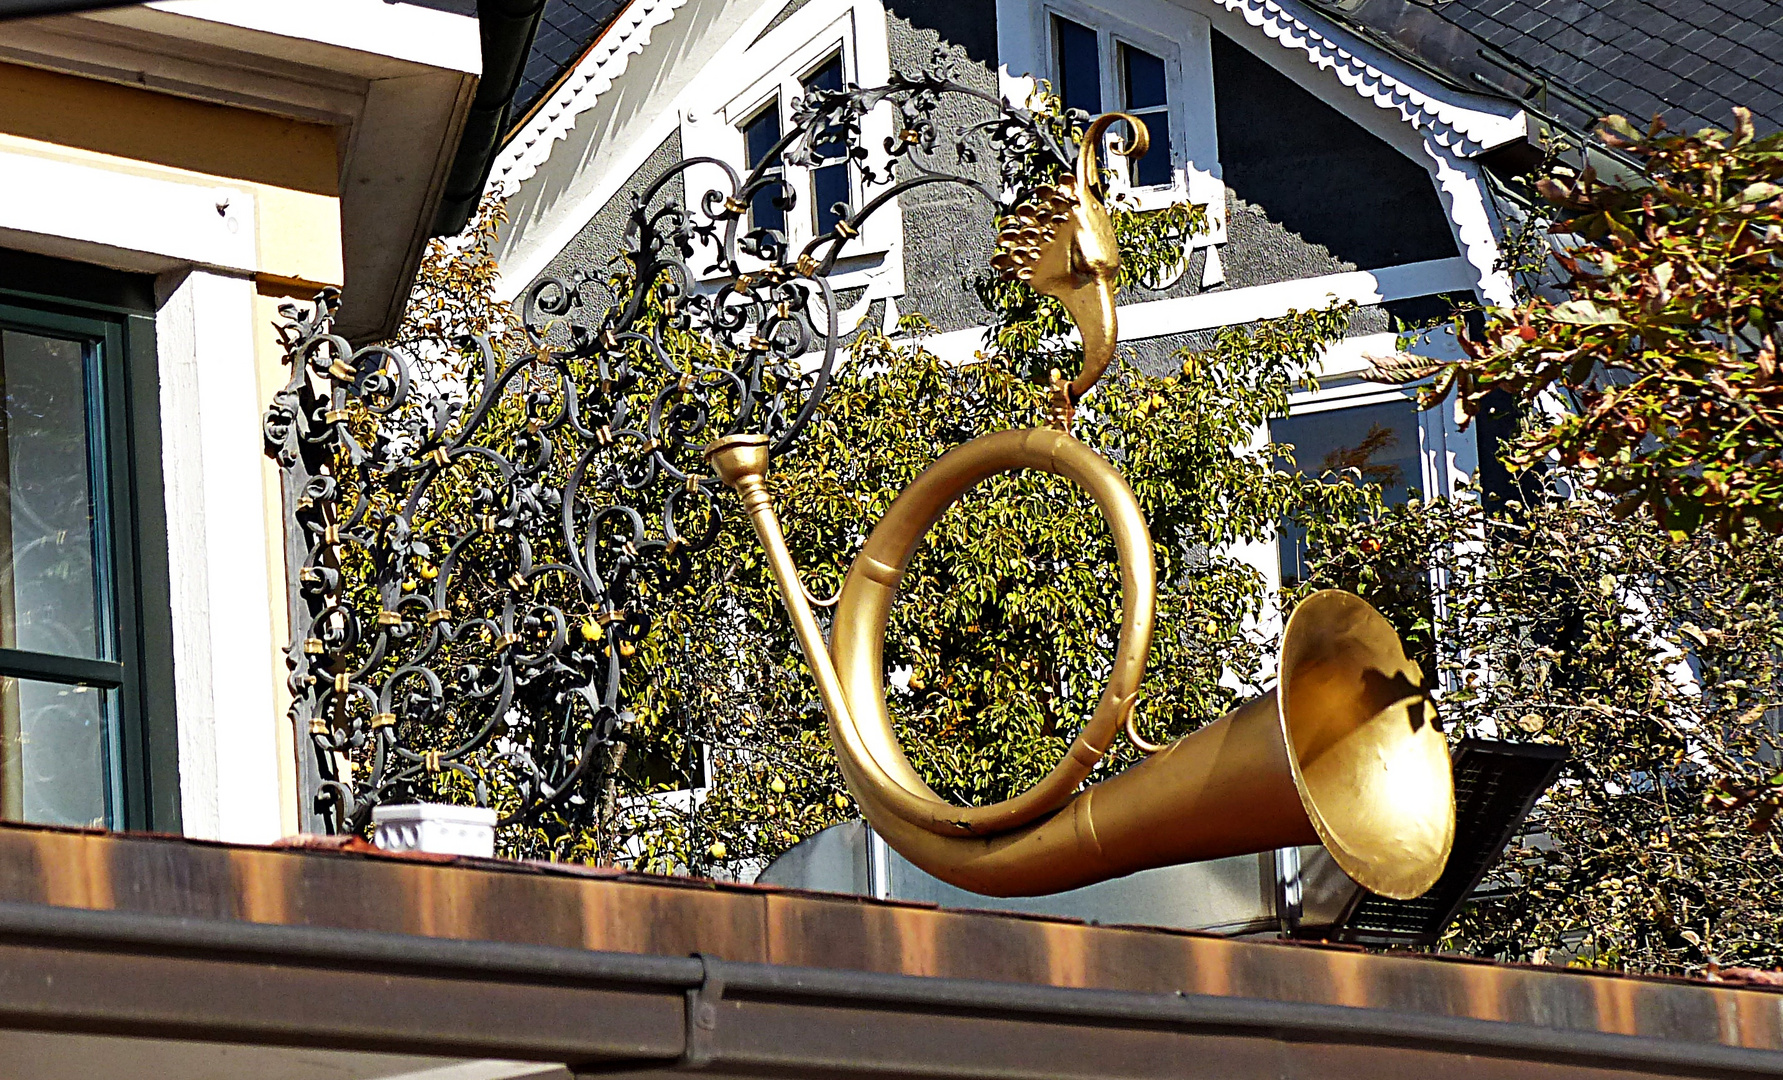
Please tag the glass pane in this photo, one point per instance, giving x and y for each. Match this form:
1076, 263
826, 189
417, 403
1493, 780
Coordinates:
1144, 78
831, 142
49, 570
760, 134
1155, 168
1379, 440
827, 77
1080, 68
52, 752
829, 186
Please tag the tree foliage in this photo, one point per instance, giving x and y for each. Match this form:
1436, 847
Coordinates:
1657, 663
1667, 337
1000, 641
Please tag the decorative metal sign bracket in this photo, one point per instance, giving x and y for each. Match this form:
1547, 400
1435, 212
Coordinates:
474, 568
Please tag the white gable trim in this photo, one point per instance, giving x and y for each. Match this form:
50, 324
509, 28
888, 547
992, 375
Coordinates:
1466, 124
1435, 125
616, 107
592, 76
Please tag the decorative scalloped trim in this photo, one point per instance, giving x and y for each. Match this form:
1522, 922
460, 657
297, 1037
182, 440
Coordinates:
592, 76
1462, 130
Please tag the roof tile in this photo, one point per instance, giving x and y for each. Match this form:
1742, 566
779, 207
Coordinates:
566, 29
1693, 60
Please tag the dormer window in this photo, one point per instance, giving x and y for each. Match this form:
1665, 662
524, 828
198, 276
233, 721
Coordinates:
829, 181
1150, 58
748, 107
1137, 79
760, 133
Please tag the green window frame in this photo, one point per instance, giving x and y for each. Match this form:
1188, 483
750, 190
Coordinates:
110, 316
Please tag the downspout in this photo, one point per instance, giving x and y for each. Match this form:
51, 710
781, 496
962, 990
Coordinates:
507, 28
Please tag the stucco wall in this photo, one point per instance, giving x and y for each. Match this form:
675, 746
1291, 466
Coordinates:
593, 249
1309, 191
948, 229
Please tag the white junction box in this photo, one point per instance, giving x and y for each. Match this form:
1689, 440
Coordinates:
438, 828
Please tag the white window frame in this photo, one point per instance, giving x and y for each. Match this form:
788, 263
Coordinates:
1448, 453
773, 68
1181, 38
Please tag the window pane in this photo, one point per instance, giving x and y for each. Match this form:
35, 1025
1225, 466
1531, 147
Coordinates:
1379, 440
49, 569
827, 77
829, 186
829, 143
760, 134
1080, 68
1144, 79
1154, 167
52, 752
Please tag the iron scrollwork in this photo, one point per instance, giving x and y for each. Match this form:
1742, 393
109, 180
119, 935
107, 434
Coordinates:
399, 679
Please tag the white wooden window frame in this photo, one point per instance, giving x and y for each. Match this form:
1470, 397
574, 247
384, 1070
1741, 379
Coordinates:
1028, 47
772, 70
1448, 454
203, 243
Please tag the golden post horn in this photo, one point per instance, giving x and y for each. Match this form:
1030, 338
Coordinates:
1345, 751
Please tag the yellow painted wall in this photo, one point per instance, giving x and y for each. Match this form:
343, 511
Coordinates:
292, 169
148, 126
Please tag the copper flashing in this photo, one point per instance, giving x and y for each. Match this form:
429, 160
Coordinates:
157, 936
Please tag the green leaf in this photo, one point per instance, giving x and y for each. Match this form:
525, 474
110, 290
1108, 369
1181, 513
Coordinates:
1586, 313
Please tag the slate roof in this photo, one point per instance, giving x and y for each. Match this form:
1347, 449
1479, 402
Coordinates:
566, 30
1691, 61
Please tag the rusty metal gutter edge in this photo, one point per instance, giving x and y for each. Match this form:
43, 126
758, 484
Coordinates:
247, 942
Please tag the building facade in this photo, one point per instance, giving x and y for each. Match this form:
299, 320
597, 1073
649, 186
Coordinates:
1345, 152
170, 175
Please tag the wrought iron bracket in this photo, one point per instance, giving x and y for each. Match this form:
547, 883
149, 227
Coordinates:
486, 528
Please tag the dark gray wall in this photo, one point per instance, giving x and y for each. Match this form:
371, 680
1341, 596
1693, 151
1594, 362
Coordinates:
602, 239
1308, 192
1311, 191
949, 231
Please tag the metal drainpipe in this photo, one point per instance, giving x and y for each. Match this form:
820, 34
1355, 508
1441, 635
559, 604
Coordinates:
507, 28
878, 865
704, 980
1288, 892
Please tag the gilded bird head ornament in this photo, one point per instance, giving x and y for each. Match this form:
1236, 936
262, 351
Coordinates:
1060, 240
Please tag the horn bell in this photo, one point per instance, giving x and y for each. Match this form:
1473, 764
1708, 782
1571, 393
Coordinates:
1345, 752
